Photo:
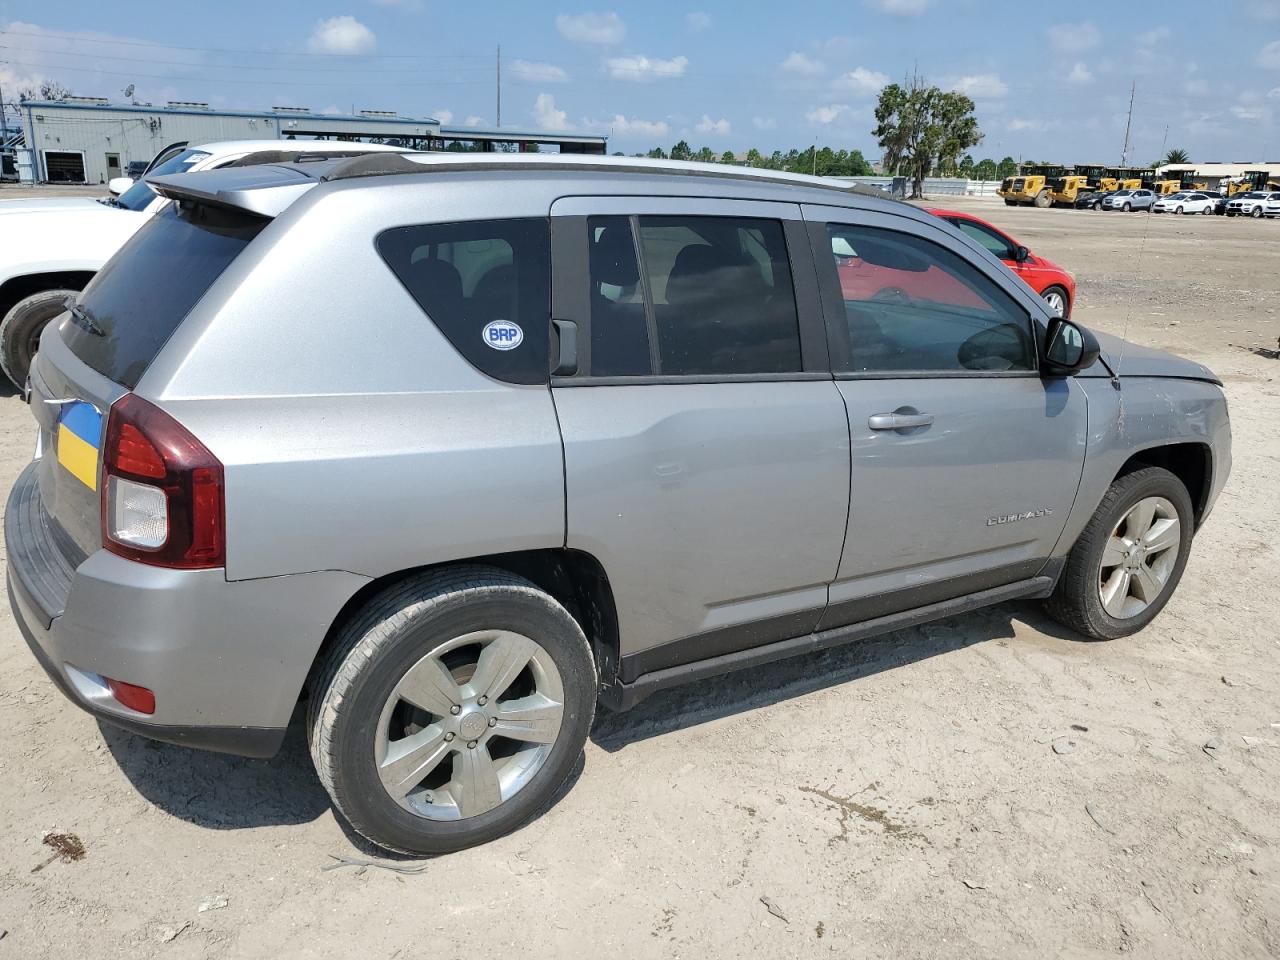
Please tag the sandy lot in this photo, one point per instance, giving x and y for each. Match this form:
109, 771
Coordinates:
900, 797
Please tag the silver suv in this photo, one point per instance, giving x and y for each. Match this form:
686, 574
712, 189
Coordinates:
458, 448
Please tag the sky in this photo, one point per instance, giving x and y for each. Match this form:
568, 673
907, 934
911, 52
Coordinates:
1051, 82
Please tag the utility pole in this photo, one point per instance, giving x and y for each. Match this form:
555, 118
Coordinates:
4, 123
499, 65
1124, 154
814, 150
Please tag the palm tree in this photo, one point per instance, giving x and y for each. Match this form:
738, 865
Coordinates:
1176, 156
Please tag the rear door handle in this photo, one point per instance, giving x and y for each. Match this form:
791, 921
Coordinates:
898, 421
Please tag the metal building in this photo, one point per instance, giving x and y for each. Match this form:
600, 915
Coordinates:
90, 140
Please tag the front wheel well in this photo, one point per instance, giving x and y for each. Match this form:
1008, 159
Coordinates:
575, 579
1192, 463
19, 288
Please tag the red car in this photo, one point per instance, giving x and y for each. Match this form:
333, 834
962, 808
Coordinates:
1050, 281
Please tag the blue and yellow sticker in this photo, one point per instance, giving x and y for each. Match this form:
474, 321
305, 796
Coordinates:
79, 433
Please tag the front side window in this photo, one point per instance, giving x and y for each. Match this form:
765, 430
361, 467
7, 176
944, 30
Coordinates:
912, 305
486, 286
690, 296
987, 237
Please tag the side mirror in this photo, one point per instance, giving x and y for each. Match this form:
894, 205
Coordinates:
1068, 349
118, 185
1020, 254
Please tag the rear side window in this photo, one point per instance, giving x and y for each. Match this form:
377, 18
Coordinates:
691, 296
486, 285
137, 300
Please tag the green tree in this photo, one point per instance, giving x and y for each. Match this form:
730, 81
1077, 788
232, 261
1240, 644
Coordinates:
923, 128
657, 153
754, 158
682, 151
1008, 168
704, 155
966, 166
728, 157
1176, 155
986, 169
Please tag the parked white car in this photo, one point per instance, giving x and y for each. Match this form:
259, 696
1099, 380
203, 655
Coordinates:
1271, 208
1186, 202
1250, 204
50, 248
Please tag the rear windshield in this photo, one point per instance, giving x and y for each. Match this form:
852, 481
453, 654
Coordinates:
137, 300
139, 196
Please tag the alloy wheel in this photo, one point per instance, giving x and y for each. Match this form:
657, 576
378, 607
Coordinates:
1139, 557
1055, 303
469, 725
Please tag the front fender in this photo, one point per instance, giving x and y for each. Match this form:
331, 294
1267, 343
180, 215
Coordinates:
1143, 414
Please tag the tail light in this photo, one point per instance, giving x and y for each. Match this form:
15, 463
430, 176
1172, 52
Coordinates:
162, 490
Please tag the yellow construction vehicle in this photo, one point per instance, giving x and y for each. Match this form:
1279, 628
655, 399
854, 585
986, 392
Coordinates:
1253, 180
1133, 178
1063, 190
1031, 186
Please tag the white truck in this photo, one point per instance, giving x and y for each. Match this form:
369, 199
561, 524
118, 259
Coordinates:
50, 248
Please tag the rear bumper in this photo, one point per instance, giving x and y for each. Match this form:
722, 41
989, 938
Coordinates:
226, 660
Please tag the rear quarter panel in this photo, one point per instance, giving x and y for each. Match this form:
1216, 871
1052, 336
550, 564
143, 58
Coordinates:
353, 435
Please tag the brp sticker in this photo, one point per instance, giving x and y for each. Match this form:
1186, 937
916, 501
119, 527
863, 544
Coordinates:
503, 335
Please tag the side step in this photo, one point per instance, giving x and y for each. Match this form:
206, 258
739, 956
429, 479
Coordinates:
624, 696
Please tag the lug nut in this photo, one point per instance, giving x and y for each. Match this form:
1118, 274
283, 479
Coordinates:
455, 709
448, 737
471, 745
482, 701
493, 721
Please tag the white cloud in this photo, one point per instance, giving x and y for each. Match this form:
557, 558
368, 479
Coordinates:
634, 127
798, 62
981, 85
1273, 94
601, 28
547, 115
1251, 114
697, 20
764, 123
707, 125
1080, 74
342, 35
862, 80
533, 71
826, 114
473, 121
444, 116
1149, 38
642, 69
1269, 56
1074, 37
902, 8
1017, 123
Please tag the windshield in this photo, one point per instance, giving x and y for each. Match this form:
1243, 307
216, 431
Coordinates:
139, 196
1124, 193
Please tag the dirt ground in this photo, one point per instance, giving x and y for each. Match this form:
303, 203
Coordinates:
898, 798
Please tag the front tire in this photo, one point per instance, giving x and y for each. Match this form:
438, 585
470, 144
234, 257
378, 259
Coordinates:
1128, 560
1127, 207
1057, 300
21, 328
1042, 199
1256, 213
1179, 211
451, 710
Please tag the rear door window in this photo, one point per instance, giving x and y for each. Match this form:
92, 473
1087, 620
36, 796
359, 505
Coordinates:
985, 236
691, 296
486, 286
139, 298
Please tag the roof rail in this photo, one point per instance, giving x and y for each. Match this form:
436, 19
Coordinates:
391, 164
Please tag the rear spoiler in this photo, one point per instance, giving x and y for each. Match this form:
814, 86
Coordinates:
266, 190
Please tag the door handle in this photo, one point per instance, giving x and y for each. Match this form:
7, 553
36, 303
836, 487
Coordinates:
898, 421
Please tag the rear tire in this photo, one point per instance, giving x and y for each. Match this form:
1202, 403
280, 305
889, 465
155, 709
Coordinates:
428, 630
1077, 600
1042, 199
1009, 203
21, 328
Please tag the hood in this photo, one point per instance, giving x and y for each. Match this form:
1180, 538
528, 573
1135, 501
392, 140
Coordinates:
41, 204
80, 237
1132, 360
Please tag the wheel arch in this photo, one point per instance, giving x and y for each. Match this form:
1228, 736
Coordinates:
20, 287
576, 579
1191, 462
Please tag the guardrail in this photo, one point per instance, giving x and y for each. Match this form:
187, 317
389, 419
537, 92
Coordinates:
937, 186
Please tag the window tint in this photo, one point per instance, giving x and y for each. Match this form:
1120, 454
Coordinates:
486, 286
913, 305
987, 237
137, 300
714, 294
619, 321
